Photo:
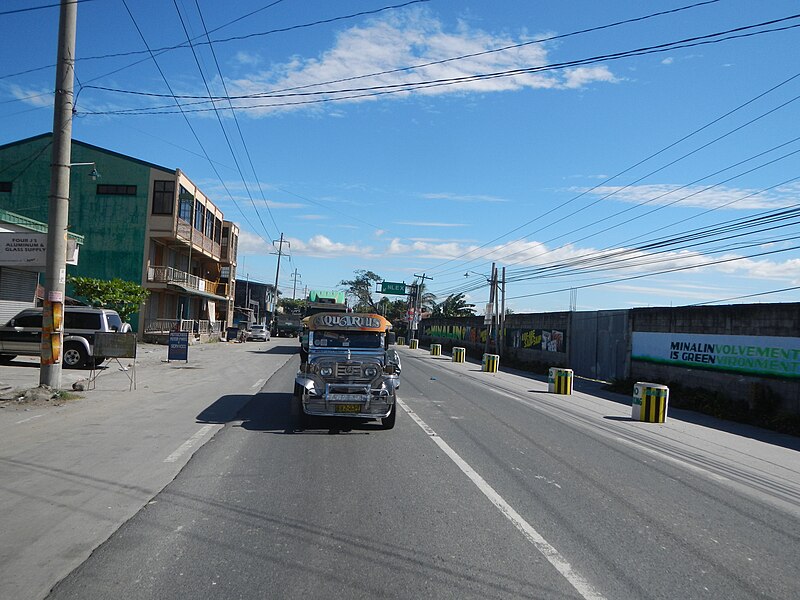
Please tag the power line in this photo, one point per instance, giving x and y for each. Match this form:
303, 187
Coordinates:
371, 91
32, 8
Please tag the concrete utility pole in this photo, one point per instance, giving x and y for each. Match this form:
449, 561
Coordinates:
280, 242
418, 302
57, 220
490, 307
294, 286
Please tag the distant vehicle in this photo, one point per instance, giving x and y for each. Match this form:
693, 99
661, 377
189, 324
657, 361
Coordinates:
348, 368
22, 335
286, 325
258, 333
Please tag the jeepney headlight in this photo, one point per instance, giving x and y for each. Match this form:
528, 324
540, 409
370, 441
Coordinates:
326, 371
370, 371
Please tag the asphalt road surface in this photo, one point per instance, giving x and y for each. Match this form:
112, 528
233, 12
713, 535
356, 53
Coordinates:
488, 487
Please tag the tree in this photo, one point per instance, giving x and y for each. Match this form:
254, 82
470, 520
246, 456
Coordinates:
290, 305
123, 296
454, 306
360, 289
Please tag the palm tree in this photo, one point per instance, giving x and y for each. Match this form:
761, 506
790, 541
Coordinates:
455, 306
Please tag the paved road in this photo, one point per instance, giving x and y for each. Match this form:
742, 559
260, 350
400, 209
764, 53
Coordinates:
488, 487
70, 475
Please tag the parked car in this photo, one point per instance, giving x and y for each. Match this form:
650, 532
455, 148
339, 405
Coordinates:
258, 333
22, 335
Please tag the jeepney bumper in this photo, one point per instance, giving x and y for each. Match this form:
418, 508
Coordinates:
347, 399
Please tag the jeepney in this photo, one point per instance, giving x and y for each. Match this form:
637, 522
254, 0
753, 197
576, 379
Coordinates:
348, 368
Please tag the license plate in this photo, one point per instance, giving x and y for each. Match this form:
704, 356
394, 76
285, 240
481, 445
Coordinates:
346, 398
348, 408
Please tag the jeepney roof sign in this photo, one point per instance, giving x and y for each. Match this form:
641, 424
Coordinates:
352, 321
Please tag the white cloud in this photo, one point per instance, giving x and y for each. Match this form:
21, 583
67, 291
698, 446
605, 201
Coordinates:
430, 224
320, 246
463, 197
387, 47
668, 61
312, 217
700, 196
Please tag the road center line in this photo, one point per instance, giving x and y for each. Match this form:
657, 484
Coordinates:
190, 443
534, 537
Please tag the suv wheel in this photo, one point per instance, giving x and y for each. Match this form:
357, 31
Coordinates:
75, 356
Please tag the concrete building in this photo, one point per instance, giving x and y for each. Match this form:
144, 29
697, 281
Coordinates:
254, 301
140, 222
22, 259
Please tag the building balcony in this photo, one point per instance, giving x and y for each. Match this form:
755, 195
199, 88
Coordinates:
187, 282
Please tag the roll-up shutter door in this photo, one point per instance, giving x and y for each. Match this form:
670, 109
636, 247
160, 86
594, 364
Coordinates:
17, 291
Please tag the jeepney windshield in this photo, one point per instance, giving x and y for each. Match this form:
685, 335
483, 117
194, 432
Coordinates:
347, 339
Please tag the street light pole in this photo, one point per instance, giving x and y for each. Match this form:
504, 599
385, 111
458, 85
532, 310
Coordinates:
58, 214
281, 242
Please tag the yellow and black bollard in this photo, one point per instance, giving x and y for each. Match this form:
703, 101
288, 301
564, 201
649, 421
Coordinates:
436, 349
459, 354
490, 363
401, 341
559, 381
650, 402
413, 344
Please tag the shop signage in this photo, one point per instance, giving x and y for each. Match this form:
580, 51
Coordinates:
21, 249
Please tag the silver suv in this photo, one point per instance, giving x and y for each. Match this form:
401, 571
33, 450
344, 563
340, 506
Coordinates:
22, 335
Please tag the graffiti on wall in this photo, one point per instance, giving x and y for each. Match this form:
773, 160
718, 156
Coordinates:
546, 340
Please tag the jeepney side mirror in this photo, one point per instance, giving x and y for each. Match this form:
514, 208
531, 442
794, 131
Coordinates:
391, 338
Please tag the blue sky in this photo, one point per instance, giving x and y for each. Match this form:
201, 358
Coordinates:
440, 136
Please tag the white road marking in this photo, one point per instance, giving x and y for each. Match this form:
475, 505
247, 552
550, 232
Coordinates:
30, 419
258, 384
190, 443
534, 537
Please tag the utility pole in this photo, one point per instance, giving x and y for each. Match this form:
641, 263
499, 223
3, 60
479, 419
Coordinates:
418, 302
58, 214
280, 242
503, 312
490, 307
294, 287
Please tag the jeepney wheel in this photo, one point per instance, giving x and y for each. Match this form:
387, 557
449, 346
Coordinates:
297, 407
388, 422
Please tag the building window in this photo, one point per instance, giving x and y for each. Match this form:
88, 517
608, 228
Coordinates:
116, 190
185, 207
218, 230
199, 213
209, 225
5, 186
163, 197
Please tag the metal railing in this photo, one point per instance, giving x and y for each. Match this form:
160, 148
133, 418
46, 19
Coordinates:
197, 326
157, 274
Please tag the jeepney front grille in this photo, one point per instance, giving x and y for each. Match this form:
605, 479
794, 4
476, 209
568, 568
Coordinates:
348, 371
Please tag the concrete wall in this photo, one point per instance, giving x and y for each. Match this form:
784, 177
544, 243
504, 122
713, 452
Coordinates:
598, 345
778, 320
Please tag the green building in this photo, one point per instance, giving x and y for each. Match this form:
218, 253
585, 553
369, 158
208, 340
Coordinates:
140, 222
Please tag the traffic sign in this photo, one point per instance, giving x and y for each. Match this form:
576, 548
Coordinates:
387, 287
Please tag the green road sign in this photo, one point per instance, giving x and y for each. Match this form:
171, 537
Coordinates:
387, 287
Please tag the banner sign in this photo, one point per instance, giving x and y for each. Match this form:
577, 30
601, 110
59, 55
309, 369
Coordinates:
749, 355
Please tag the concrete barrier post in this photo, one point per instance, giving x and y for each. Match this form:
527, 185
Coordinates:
459, 354
650, 402
413, 344
490, 363
559, 381
436, 349
401, 341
